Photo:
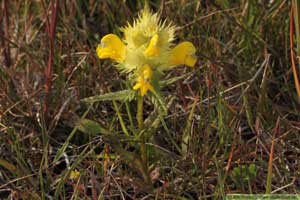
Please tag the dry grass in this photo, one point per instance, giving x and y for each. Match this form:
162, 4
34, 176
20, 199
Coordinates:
236, 113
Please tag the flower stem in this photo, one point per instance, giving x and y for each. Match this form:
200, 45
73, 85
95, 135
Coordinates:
143, 151
140, 113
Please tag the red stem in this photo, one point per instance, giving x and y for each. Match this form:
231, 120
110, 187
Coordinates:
49, 69
6, 52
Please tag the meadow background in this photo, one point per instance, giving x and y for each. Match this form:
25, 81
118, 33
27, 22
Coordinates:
232, 125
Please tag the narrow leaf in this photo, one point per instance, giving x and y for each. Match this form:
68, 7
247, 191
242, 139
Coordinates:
160, 101
10, 167
120, 95
91, 127
186, 134
172, 80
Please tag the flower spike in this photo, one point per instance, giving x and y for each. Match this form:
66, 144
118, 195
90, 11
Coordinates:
145, 48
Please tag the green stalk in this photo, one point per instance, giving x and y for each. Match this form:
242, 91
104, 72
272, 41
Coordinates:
139, 114
143, 151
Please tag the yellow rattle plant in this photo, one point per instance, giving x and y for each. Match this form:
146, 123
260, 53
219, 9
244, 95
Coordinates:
145, 52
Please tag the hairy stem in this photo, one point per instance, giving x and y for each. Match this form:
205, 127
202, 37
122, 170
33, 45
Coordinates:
143, 151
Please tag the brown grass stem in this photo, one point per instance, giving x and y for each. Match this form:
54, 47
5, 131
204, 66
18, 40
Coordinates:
297, 85
5, 34
50, 28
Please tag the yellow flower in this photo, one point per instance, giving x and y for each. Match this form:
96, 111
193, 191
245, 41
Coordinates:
143, 85
146, 72
183, 53
147, 42
152, 49
74, 175
143, 80
112, 47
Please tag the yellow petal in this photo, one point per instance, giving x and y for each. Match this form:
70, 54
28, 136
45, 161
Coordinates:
74, 174
143, 85
147, 86
183, 53
137, 86
190, 60
147, 71
152, 49
112, 47
143, 90
150, 87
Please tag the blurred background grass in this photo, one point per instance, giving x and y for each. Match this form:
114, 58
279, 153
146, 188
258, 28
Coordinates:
236, 113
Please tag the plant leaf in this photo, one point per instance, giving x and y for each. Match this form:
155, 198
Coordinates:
91, 127
159, 101
10, 167
164, 83
120, 95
